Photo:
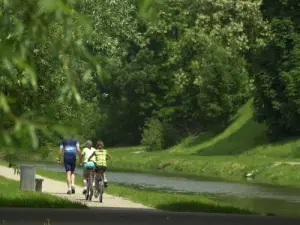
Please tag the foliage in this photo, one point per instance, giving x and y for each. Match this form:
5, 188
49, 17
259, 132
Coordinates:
193, 71
50, 62
101, 69
152, 136
277, 80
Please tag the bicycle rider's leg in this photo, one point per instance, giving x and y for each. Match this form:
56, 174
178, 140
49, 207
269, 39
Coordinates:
85, 180
96, 177
93, 175
102, 169
104, 176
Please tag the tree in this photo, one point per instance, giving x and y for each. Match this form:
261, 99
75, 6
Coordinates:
192, 46
277, 82
51, 57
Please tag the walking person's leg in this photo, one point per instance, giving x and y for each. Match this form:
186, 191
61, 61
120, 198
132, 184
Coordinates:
73, 177
68, 177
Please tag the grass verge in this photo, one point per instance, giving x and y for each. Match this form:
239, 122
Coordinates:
163, 200
11, 196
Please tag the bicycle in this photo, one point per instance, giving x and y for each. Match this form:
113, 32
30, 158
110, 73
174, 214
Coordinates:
99, 181
90, 189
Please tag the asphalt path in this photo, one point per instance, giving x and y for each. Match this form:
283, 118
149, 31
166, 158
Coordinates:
121, 216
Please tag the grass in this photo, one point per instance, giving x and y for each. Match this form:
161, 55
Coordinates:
163, 200
229, 155
11, 196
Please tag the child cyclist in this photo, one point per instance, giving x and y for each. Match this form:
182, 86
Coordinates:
101, 156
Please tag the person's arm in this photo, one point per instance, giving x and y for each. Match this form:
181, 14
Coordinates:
91, 156
81, 157
79, 152
108, 156
61, 148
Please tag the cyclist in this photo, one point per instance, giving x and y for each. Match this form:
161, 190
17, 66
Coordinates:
69, 147
101, 157
88, 162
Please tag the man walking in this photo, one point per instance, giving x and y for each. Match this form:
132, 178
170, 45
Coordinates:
70, 147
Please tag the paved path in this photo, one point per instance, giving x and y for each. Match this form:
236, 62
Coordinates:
59, 188
114, 216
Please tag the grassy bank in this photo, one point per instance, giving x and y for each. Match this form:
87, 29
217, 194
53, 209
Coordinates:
11, 196
162, 200
230, 155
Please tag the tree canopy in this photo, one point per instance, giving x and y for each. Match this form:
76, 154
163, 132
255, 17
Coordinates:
147, 72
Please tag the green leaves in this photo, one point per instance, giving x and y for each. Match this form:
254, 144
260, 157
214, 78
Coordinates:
43, 47
4, 104
277, 79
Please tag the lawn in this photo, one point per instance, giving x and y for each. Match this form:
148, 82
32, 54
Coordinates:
11, 196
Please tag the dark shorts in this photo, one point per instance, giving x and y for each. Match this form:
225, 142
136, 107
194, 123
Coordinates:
70, 164
100, 168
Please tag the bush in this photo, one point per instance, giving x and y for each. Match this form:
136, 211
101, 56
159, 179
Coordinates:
171, 135
153, 135
159, 135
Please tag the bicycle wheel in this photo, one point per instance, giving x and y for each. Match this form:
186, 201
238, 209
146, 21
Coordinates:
101, 189
90, 188
96, 189
87, 194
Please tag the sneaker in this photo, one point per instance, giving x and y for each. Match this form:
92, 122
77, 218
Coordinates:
84, 191
69, 192
73, 190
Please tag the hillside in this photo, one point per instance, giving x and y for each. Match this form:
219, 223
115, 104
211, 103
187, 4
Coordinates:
238, 150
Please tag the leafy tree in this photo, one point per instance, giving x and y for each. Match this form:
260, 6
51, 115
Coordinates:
277, 82
52, 54
193, 71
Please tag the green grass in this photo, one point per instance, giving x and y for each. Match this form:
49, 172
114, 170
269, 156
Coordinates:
11, 196
163, 200
229, 155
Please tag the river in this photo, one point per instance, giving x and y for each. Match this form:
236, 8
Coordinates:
264, 198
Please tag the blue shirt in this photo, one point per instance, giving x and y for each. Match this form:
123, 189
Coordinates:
69, 147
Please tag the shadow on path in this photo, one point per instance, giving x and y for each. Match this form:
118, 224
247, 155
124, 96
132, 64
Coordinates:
202, 207
118, 216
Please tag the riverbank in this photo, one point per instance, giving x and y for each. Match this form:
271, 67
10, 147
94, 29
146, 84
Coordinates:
163, 200
240, 150
11, 196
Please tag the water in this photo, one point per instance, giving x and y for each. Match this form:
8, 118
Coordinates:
266, 198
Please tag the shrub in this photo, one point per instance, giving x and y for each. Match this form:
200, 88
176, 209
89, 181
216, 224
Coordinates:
152, 136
